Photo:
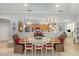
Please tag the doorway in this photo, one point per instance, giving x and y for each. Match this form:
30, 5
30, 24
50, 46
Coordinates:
4, 30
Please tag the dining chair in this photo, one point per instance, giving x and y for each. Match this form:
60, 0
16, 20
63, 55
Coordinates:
28, 46
50, 46
38, 47
18, 48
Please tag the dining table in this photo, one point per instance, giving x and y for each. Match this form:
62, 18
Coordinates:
39, 40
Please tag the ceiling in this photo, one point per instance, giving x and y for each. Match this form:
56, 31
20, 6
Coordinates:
39, 8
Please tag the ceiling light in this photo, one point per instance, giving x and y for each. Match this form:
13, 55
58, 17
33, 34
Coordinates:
50, 26
24, 25
53, 28
29, 23
25, 5
60, 11
20, 28
46, 23
29, 10
57, 5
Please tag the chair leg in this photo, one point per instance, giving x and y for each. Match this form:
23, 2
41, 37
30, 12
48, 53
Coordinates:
41, 52
46, 51
35, 52
53, 51
32, 52
25, 51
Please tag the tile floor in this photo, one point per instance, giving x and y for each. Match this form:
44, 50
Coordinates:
71, 49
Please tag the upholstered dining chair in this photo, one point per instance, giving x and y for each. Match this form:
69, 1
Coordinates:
38, 47
50, 46
28, 46
18, 48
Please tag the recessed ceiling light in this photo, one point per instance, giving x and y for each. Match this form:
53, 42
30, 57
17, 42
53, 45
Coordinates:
60, 11
25, 5
29, 10
57, 5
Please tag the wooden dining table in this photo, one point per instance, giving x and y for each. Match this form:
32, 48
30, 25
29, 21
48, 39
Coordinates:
43, 41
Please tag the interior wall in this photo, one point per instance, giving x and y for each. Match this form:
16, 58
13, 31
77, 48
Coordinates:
60, 18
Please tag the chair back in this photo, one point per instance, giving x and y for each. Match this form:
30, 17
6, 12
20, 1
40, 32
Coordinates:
28, 45
49, 44
14, 38
38, 46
